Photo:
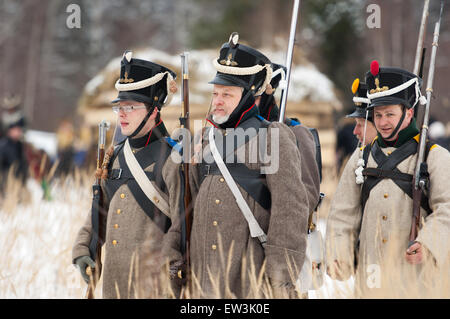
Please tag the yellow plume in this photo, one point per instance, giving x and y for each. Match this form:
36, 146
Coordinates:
355, 86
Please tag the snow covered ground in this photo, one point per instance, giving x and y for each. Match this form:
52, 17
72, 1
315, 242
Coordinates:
36, 241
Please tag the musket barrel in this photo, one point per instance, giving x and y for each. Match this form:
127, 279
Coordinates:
185, 88
421, 37
429, 91
289, 59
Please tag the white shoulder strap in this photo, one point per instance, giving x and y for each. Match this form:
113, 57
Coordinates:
255, 229
143, 181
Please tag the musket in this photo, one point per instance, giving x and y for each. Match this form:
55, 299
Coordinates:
95, 245
420, 179
285, 85
422, 31
186, 223
420, 50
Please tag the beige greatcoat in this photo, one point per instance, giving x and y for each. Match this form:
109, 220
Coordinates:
133, 258
224, 257
382, 269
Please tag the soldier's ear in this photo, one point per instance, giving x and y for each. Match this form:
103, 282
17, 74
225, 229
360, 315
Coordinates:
410, 112
155, 113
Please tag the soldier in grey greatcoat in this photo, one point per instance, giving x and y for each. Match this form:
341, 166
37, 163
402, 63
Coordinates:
141, 190
370, 219
227, 258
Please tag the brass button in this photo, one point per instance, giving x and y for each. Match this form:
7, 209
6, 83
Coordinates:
116, 226
114, 242
217, 201
384, 240
134, 151
384, 217
386, 195
389, 153
222, 180
122, 195
215, 223
156, 200
214, 247
225, 134
118, 212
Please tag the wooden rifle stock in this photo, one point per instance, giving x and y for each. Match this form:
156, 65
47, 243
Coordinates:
184, 121
97, 204
415, 223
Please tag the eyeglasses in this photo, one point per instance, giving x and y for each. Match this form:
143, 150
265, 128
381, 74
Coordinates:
127, 108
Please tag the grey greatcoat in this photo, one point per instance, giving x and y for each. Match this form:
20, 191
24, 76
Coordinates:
310, 170
224, 257
133, 258
383, 230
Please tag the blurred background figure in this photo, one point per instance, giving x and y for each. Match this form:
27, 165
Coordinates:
11, 112
84, 148
65, 137
12, 147
437, 132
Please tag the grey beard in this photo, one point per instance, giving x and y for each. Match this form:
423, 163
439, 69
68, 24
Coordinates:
220, 119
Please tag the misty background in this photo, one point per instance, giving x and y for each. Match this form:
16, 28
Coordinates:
48, 64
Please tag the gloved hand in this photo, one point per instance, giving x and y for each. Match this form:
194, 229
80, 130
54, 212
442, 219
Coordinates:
82, 263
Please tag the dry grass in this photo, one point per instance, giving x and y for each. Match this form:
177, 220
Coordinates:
383, 272
37, 238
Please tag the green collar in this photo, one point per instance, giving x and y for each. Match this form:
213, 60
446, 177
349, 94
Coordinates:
403, 136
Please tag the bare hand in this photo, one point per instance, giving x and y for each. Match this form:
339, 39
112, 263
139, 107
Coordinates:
339, 271
414, 254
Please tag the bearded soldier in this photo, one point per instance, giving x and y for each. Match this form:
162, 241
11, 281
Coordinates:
370, 218
248, 209
364, 130
141, 187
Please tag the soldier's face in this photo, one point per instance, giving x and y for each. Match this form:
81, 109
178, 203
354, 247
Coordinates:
129, 121
15, 133
358, 131
224, 100
387, 117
